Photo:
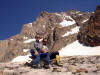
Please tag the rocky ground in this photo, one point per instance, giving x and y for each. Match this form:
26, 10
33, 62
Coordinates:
72, 65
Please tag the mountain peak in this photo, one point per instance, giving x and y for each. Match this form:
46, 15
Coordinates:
61, 28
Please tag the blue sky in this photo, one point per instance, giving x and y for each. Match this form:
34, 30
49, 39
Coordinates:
15, 13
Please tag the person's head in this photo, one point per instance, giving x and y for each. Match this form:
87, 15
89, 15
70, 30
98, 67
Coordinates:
44, 41
37, 37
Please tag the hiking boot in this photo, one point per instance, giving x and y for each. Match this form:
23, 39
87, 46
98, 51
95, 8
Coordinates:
36, 67
46, 66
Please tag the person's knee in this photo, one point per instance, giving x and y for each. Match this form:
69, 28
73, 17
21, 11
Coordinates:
37, 58
38, 55
47, 54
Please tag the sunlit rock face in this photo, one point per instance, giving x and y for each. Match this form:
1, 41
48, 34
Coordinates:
61, 29
89, 33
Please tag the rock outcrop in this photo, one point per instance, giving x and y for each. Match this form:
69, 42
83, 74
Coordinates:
77, 65
89, 33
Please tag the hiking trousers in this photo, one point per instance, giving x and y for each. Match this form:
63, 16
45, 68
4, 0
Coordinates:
36, 58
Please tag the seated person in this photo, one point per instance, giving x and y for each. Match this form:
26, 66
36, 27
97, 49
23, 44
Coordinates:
37, 51
53, 55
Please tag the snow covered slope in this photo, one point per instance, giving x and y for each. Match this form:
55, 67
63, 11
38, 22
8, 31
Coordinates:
22, 59
73, 31
78, 49
70, 50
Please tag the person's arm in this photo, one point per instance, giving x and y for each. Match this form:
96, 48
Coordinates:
33, 48
43, 50
36, 52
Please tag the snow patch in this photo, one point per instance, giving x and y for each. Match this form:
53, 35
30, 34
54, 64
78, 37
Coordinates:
77, 12
22, 59
69, 17
85, 20
72, 13
74, 30
11, 39
66, 16
25, 38
65, 23
43, 26
41, 39
29, 40
29, 25
26, 50
78, 49
58, 14
80, 14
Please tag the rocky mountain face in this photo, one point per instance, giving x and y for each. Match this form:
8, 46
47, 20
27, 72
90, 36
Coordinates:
57, 27
89, 33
